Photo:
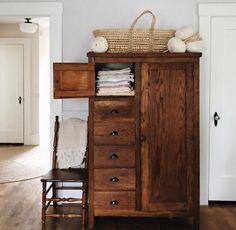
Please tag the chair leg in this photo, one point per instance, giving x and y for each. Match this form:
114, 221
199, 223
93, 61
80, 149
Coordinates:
84, 198
44, 204
54, 193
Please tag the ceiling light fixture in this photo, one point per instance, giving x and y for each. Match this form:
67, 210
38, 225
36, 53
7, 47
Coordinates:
28, 26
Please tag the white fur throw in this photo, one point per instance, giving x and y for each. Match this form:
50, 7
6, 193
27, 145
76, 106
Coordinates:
72, 143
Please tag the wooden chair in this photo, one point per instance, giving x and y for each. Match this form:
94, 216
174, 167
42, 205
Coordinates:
50, 182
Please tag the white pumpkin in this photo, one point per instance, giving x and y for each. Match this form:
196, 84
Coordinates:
99, 45
184, 32
195, 46
176, 45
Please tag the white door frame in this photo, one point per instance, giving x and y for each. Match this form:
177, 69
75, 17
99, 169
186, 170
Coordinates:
206, 12
54, 11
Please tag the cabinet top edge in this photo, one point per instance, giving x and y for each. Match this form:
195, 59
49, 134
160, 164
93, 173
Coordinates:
143, 55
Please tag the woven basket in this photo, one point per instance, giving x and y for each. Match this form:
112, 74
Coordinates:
136, 40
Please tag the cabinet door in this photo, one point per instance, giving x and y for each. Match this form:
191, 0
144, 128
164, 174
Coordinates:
167, 137
73, 80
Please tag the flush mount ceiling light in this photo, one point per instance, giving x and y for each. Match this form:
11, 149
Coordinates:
28, 26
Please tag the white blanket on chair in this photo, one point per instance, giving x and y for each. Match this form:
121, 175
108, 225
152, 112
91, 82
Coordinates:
72, 142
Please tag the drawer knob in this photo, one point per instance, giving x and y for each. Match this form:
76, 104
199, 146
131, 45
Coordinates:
114, 202
114, 111
143, 138
114, 179
113, 156
114, 133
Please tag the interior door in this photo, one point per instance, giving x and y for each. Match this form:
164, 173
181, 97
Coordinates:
166, 134
222, 181
11, 93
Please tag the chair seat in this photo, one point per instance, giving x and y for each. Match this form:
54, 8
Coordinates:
63, 175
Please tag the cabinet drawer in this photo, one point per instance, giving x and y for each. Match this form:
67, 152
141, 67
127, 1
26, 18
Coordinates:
114, 133
114, 110
73, 80
114, 156
114, 179
114, 200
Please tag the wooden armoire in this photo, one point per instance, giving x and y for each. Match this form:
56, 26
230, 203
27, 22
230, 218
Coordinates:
143, 149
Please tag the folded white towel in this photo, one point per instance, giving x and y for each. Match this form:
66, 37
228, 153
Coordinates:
120, 71
119, 83
115, 78
131, 93
115, 89
72, 142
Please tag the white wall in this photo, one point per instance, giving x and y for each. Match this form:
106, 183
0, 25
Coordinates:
31, 128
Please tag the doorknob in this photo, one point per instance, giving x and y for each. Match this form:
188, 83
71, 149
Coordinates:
19, 99
216, 118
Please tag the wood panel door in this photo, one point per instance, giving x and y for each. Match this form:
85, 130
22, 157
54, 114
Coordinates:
167, 137
72, 80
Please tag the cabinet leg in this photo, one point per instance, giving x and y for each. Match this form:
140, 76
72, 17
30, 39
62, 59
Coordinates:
91, 222
196, 222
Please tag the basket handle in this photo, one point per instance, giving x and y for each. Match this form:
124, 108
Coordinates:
131, 30
144, 12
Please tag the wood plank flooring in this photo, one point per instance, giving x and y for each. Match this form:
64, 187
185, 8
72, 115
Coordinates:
20, 209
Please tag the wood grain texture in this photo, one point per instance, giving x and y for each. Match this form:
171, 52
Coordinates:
165, 132
90, 163
73, 80
114, 133
114, 110
165, 154
112, 201
114, 156
124, 179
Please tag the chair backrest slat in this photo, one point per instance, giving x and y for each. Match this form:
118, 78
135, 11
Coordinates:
55, 143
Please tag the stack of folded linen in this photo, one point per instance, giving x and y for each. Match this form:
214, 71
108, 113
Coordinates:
115, 82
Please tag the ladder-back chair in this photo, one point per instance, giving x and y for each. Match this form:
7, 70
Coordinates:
55, 180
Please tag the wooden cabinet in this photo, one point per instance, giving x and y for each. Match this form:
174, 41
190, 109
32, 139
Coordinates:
73, 80
144, 149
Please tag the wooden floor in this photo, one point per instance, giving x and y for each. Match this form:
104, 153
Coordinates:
20, 209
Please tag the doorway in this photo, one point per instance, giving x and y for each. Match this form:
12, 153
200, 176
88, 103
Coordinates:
217, 26
54, 11
11, 92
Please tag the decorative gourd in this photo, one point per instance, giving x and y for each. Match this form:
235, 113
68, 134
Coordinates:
99, 45
176, 45
184, 32
195, 46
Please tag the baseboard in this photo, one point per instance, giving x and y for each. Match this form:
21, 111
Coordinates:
31, 139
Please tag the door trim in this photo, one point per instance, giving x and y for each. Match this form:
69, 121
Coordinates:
206, 12
54, 11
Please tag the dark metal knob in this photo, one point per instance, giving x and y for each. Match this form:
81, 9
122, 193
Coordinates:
114, 202
113, 156
143, 138
20, 99
114, 133
216, 118
114, 179
114, 111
